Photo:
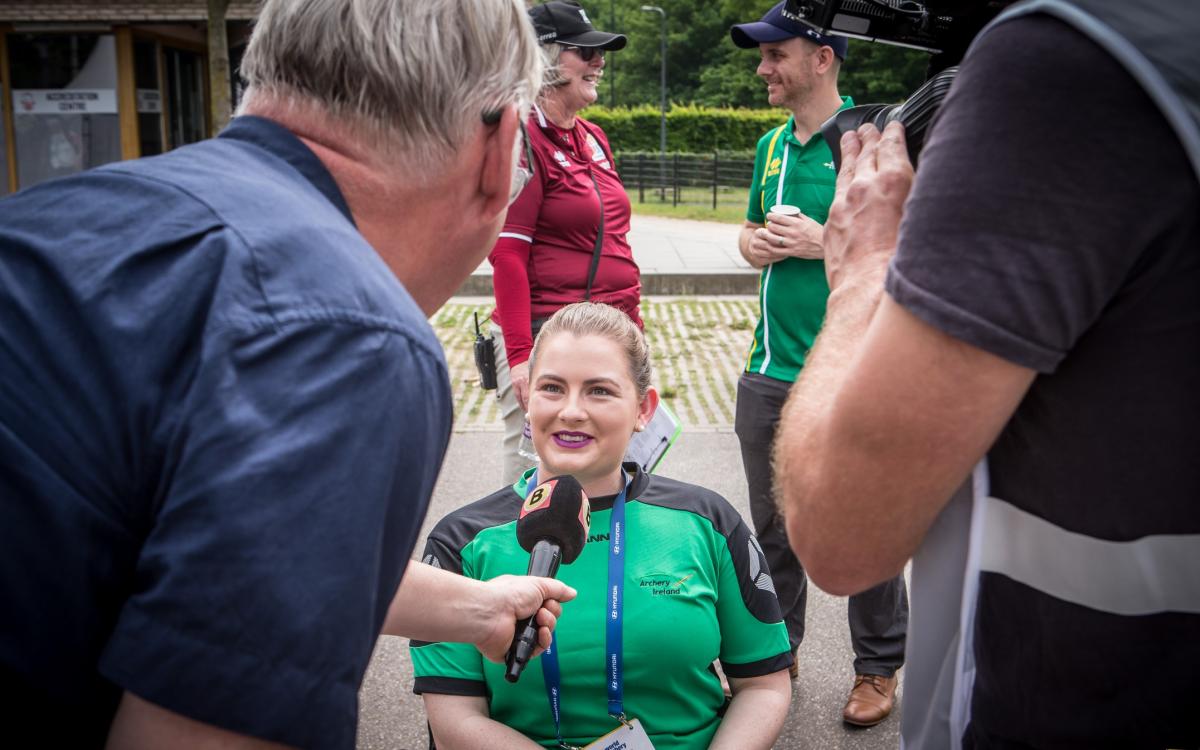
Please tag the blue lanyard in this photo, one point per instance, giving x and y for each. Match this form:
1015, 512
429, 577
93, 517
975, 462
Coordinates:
614, 663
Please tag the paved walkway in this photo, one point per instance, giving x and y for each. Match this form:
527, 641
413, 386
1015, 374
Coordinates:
698, 341
697, 344
392, 718
677, 256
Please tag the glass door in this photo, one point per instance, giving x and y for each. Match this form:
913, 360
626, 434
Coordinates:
64, 103
184, 72
149, 97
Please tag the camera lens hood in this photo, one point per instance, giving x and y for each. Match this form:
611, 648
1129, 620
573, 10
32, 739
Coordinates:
916, 114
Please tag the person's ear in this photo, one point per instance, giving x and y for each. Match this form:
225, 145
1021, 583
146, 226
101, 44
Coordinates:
499, 161
646, 408
825, 57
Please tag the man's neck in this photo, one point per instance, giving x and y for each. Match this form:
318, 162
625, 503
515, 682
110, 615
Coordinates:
809, 117
401, 218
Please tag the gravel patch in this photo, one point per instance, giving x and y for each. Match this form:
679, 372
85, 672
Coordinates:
698, 346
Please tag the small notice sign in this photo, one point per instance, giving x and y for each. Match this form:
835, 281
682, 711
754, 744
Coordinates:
64, 101
149, 101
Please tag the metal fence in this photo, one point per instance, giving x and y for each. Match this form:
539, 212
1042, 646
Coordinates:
712, 179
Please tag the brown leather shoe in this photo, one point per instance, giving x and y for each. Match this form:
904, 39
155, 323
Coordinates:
871, 700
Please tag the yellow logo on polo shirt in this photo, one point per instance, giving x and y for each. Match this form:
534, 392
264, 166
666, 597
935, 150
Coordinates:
773, 167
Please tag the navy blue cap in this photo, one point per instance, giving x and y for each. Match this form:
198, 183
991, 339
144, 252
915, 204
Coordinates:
777, 25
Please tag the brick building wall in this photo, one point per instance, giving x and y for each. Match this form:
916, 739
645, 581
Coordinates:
118, 11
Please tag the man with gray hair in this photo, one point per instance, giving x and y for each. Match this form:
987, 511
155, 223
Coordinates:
222, 408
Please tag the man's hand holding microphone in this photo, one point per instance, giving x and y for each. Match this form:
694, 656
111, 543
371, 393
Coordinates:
509, 618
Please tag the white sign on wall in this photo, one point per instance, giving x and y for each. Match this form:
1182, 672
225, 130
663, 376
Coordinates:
149, 101
65, 101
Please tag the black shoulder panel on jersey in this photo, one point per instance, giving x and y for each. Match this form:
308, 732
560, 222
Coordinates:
443, 548
450, 686
770, 665
754, 578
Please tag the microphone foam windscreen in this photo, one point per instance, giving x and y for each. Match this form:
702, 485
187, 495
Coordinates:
557, 511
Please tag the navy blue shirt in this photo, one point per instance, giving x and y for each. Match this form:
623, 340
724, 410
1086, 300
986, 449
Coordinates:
221, 419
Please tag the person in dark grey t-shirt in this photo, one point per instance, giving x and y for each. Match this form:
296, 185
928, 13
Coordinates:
1031, 328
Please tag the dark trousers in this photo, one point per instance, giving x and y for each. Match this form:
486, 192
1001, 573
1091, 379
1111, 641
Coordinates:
878, 616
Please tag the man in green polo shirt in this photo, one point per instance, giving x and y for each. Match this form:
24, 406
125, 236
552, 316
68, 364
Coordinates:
794, 167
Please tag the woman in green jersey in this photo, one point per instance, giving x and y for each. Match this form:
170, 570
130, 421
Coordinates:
669, 580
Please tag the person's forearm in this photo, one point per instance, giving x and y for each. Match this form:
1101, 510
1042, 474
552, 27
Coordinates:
848, 313
436, 605
754, 718
510, 281
810, 465
479, 731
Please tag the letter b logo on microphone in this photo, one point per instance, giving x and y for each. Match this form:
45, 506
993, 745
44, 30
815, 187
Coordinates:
539, 498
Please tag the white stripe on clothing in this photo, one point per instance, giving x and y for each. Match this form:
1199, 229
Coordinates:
767, 279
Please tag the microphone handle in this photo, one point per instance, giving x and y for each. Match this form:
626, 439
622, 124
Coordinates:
543, 561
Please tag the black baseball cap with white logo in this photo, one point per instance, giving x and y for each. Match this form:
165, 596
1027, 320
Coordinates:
566, 22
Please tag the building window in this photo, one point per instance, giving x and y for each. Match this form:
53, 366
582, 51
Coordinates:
186, 121
149, 97
64, 91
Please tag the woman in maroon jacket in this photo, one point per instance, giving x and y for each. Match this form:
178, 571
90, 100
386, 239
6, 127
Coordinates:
543, 259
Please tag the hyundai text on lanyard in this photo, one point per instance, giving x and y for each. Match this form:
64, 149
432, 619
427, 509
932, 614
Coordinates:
630, 732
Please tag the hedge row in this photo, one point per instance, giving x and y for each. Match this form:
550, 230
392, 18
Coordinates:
690, 128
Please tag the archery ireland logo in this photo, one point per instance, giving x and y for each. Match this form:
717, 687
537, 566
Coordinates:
661, 584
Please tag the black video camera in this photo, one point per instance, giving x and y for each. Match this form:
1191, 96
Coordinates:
943, 28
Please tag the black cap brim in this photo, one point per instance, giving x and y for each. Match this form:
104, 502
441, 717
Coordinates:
601, 39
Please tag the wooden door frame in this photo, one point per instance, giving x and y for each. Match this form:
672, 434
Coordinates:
6, 113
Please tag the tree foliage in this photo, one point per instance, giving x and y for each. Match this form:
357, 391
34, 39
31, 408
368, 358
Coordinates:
690, 128
705, 68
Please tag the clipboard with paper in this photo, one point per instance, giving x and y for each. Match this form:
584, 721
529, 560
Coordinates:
649, 446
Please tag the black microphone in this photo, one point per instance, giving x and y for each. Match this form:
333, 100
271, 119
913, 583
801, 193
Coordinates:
552, 528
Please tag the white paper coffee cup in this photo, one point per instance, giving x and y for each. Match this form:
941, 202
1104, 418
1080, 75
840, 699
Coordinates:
784, 209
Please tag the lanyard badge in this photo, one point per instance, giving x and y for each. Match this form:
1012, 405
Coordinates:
612, 629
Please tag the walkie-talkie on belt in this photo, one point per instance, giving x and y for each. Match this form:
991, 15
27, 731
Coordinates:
485, 358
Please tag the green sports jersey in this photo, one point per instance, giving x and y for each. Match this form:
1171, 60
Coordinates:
696, 589
791, 292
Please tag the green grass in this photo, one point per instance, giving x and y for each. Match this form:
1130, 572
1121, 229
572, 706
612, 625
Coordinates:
695, 203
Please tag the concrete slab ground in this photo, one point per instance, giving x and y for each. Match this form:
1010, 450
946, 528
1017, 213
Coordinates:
677, 256
697, 343
392, 718
698, 346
